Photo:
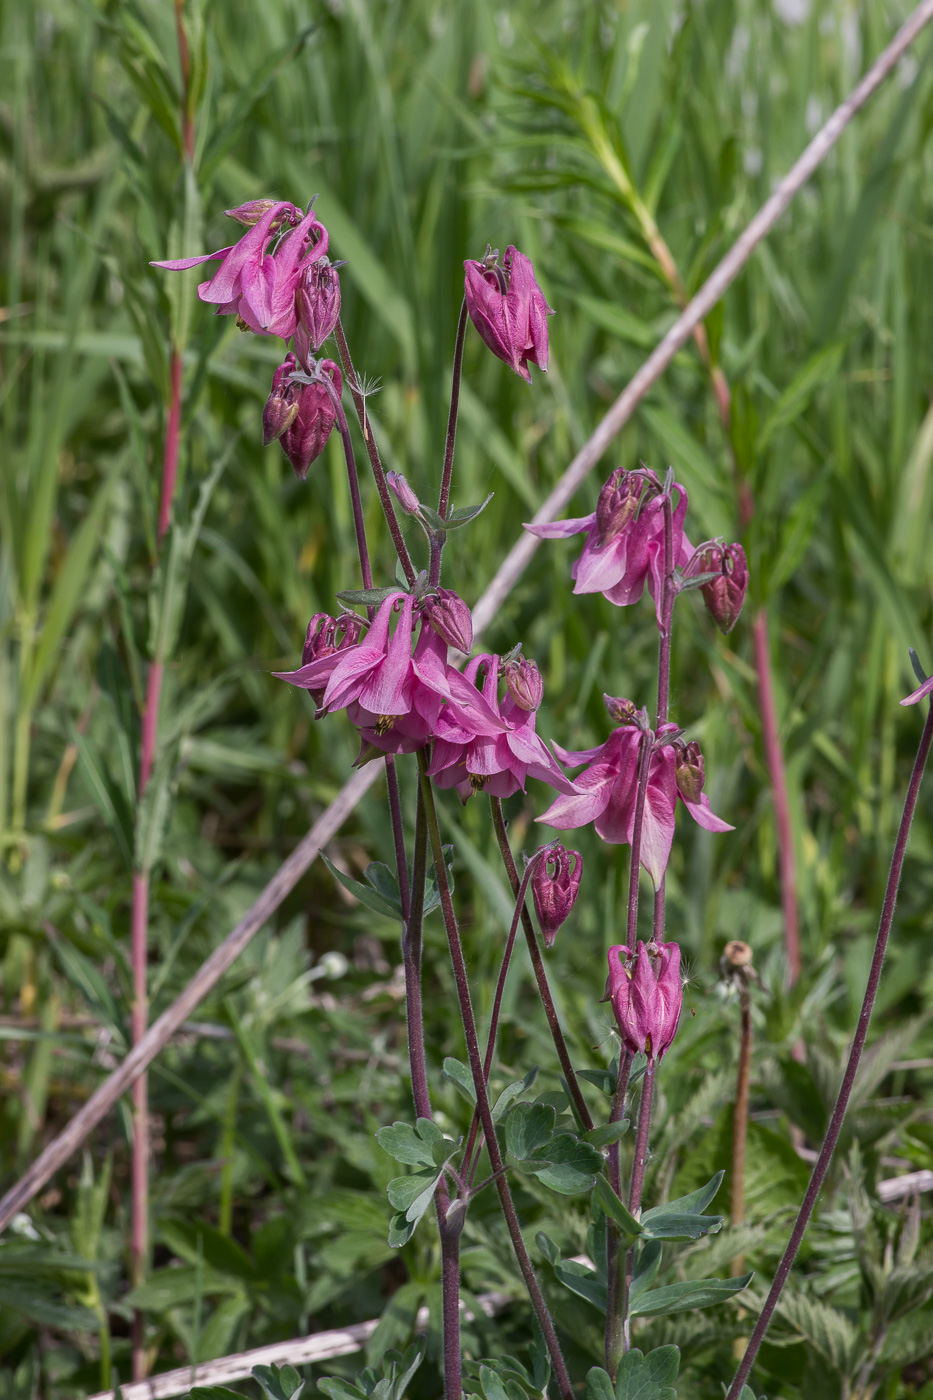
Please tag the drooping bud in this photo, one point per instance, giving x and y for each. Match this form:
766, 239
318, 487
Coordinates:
645, 990
508, 309
554, 887
281, 408
617, 504
318, 301
405, 496
449, 615
690, 770
621, 711
524, 683
725, 594
252, 211
305, 438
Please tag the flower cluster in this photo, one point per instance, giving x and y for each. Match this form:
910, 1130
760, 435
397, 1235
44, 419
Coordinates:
277, 280
508, 309
607, 789
401, 693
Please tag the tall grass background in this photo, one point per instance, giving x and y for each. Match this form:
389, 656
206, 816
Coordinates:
428, 131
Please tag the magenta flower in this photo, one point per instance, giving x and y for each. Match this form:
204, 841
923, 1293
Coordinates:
258, 286
607, 789
326, 636
394, 696
301, 412
507, 307
450, 617
317, 303
554, 887
624, 546
725, 594
646, 993
499, 763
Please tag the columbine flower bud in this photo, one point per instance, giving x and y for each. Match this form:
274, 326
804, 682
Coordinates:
252, 211
524, 683
690, 770
281, 408
725, 595
508, 309
617, 504
554, 887
646, 994
620, 711
318, 301
306, 436
405, 496
448, 614
327, 635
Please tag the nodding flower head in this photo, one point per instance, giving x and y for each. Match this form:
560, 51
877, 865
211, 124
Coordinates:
554, 887
450, 617
646, 993
255, 285
523, 682
318, 301
508, 309
327, 635
305, 435
725, 594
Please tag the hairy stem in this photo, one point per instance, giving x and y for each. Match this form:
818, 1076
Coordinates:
537, 963
613, 1341
443, 500
379, 476
469, 1171
482, 1097
353, 480
740, 1119
644, 764
848, 1079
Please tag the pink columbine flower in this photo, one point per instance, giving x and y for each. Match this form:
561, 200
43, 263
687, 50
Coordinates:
450, 617
646, 993
500, 763
317, 302
624, 546
554, 887
326, 636
394, 694
607, 789
403, 493
300, 412
507, 307
258, 286
724, 595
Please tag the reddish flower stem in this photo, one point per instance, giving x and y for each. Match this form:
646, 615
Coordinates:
468, 1170
848, 1078
644, 764
172, 441
664, 683
461, 980
353, 480
379, 476
613, 1340
774, 755
443, 502
537, 963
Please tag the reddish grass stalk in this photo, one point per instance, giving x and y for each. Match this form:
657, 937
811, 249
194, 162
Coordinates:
778, 773
848, 1078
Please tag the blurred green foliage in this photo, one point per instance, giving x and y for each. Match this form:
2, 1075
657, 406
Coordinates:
427, 130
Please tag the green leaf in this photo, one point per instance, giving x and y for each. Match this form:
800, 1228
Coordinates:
646, 1377
608, 1133
365, 597
461, 1078
465, 514
683, 1227
528, 1127
602, 1078
406, 1192
572, 1165
367, 896
511, 1092
680, 1297
405, 1145
279, 1382
584, 1282
610, 1205
693, 1203
819, 369
647, 1264
401, 1230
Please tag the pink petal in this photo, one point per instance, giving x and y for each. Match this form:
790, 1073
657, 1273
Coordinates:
702, 813
598, 570
560, 529
181, 264
920, 693
388, 690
